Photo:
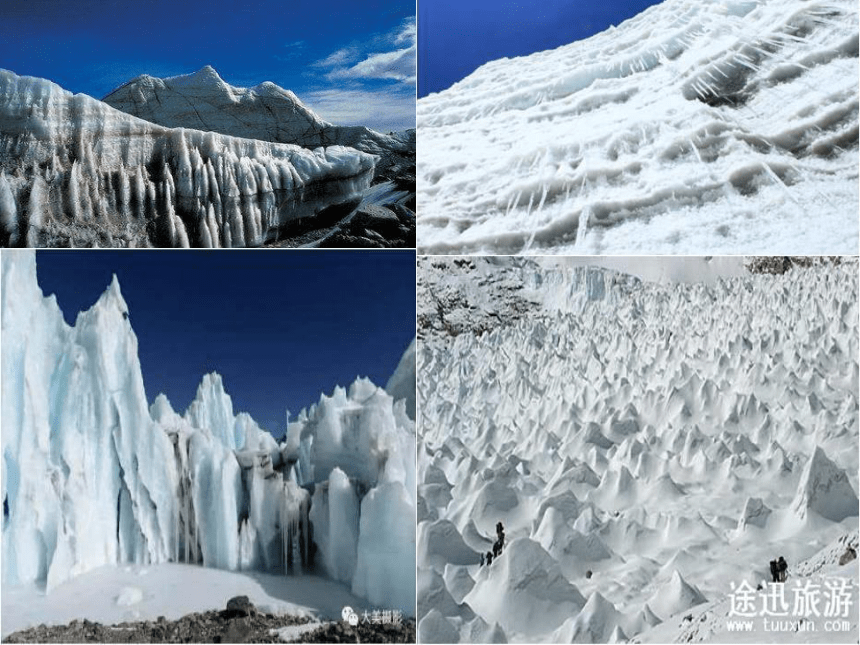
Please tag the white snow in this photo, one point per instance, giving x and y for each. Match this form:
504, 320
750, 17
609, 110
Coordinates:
716, 621
129, 596
669, 436
172, 591
294, 632
695, 127
93, 476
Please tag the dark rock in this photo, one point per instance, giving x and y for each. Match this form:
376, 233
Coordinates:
845, 558
240, 606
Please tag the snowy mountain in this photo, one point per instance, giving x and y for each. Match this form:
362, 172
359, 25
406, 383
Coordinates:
645, 443
93, 476
204, 101
76, 172
693, 128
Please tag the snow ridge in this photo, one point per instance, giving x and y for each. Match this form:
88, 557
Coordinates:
204, 101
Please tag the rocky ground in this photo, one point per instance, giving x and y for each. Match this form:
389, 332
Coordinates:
213, 627
390, 224
374, 226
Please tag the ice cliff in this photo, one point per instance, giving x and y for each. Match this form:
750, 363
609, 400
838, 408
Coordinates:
695, 127
91, 475
75, 171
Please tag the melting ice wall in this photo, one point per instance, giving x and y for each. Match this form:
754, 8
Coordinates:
92, 476
77, 171
88, 477
359, 451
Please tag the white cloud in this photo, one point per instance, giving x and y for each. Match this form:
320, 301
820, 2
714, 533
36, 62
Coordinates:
382, 110
395, 63
340, 57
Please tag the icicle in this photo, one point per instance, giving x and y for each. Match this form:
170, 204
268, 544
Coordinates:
778, 181
74, 190
285, 536
181, 239
543, 197
184, 171
234, 217
531, 200
34, 211
8, 211
695, 149
584, 216
124, 194
187, 528
151, 201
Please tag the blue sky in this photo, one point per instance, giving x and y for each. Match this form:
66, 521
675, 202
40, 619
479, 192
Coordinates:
281, 327
352, 62
457, 37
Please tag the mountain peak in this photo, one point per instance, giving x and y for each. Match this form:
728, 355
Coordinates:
207, 71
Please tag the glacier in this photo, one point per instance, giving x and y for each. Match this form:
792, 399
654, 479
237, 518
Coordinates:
92, 475
76, 172
694, 128
646, 443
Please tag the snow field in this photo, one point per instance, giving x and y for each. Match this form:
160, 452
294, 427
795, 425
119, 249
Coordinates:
166, 590
671, 438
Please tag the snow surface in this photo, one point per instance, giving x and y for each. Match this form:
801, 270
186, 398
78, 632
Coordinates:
670, 437
172, 591
717, 127
93, 476
709, 622
78, 171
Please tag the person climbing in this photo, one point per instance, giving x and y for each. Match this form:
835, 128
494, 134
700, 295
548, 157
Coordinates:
782, 566
489, 558
482, 558
500, 540
774, 571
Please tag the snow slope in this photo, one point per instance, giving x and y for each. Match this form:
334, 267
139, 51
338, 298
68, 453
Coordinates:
715, 621
75, 171
93, 476
716, 127
646, 444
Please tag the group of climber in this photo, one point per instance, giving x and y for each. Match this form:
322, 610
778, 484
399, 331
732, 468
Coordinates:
498, 545
778, 569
